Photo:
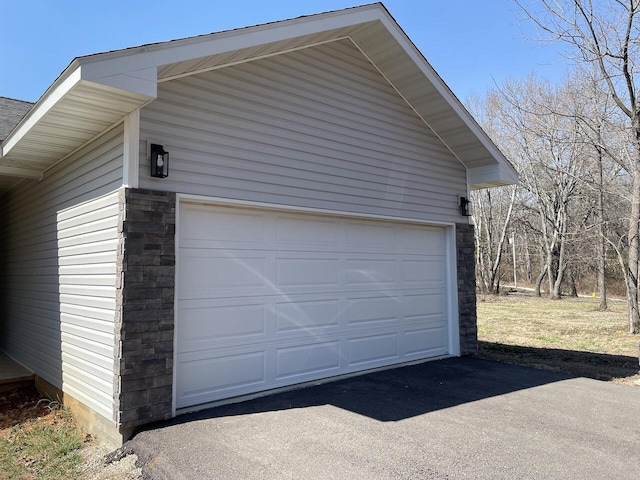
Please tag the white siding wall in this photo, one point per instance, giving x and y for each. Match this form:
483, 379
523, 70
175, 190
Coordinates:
318, 128
59, 246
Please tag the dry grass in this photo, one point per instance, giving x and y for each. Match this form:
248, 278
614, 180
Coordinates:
569, 335
41, 440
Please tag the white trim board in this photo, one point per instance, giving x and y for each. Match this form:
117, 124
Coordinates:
293, 208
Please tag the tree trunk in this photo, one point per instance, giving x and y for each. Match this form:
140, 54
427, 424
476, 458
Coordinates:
527, 258
602, 265
539, 281
573, 288
601, 243
554, 272
550, 271
634, 232
562, 235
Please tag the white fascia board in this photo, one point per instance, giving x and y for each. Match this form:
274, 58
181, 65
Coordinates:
41, 108
149, 57
491, 175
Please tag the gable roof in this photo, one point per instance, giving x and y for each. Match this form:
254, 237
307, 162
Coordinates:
96, 91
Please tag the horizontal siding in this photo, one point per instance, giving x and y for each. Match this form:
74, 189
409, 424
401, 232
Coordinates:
59, 238
318, 128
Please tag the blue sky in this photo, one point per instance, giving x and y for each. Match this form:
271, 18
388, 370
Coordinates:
470, 43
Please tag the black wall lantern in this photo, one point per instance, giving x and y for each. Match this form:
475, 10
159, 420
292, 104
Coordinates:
465, 207
159, 161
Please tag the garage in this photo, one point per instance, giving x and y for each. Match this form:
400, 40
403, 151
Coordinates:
251, 209
268, 298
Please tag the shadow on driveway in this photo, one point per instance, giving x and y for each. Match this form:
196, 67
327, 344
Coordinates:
397, 393
598, 366
448, 419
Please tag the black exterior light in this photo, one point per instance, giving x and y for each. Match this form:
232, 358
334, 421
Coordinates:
465, 207
159, 161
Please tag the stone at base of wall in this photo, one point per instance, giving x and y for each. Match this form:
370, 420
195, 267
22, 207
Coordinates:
99, 427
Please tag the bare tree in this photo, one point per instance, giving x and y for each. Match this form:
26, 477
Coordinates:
598, 121
491, 208
605, 34
549, 161
492, 221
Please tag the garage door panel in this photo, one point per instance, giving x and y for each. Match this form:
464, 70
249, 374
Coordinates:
424, 305
306, 315
307, 297
361, 311
423, 271
429, 240
207, 378
425, 340
207, 272
202, 326
246, 227
309, 272
364, 236
307, 232
372, 348
306, 360
369, 271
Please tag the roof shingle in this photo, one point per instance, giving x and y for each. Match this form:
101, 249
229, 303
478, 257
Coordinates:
11, 112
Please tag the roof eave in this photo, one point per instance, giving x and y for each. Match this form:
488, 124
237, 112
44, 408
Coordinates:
103, 88
489, 176
40, 140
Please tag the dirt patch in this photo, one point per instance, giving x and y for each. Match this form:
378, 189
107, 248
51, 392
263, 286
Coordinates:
23, 411
18, 407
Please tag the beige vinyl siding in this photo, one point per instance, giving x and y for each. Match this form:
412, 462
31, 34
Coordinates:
59, 239
319, 127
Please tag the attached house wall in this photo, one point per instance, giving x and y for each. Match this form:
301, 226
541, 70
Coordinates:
59, 239
319, 127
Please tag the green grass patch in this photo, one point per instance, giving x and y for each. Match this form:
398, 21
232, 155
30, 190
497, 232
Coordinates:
44, 448
569, 335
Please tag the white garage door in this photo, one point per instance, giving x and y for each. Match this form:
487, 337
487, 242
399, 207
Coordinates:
268, 299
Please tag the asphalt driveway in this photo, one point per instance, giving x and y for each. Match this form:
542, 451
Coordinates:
456, 418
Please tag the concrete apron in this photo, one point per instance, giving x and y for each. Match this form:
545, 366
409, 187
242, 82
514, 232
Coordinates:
12, 374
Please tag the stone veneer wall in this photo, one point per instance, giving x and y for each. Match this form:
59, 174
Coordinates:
465, 259
144, 332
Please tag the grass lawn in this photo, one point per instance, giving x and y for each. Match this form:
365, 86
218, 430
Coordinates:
41, 441
568, 335
37, 439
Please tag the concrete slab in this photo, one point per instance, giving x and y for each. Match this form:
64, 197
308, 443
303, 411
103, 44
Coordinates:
12, 372
457, 418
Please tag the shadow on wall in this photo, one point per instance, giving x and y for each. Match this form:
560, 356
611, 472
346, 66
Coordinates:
30, 330
598, 366
397, 393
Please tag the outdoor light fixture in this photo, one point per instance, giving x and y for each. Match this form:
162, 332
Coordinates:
159, 161
465, 208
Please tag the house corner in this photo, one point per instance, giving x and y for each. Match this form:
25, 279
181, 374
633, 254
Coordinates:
465, 261
145, 326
